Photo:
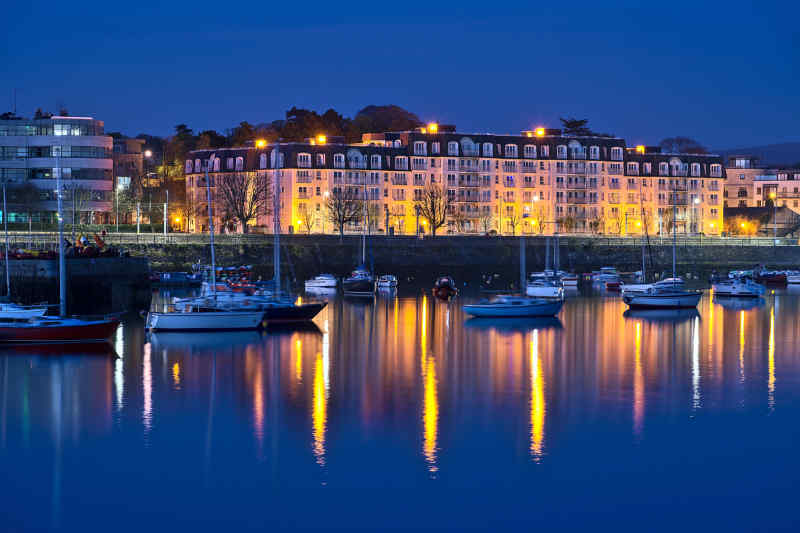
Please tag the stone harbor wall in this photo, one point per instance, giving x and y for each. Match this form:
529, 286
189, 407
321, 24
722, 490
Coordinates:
466, 258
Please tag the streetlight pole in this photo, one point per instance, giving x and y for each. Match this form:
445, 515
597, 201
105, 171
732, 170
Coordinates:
774, 197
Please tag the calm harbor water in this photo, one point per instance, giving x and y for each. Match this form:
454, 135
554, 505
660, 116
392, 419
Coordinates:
403, 413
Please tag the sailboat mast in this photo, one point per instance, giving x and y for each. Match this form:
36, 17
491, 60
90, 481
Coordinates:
364, 230
211, 230
62, 267
674, 227
276, 239
5, 227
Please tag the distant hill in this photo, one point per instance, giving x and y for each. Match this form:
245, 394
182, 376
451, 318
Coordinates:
783, 154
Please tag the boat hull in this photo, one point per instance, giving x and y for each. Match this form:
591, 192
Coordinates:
656, 301
69, 331
503, 310
293, 313
202, 321
358, 286
735, 292
545, 292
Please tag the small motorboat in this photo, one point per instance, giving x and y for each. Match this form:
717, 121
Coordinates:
444, 287
386, 281
771, 277
322, 281
545, 287
662, 298
739, 288
608, 278
514, 306
176, 279
360, 282
793, 277
48, 330
641, 287
568, 279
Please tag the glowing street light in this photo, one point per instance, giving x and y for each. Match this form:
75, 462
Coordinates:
433, 127
539, 132
322, 139
148, 153
261, 143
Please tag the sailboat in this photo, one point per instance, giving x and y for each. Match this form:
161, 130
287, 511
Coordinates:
361, 282
57, 329
667, 295
208, 315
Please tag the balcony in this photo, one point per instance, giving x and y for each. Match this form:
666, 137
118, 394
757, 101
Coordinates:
680, 187
614, 185
576, 168
469, 183
303, 179
395, 181
303, 195
581, 184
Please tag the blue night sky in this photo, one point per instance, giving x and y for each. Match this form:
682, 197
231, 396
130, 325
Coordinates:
725, 73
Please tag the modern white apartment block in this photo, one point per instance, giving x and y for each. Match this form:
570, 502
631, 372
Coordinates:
33, 151
538, 182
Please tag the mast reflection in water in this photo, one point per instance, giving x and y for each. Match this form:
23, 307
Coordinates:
407, 393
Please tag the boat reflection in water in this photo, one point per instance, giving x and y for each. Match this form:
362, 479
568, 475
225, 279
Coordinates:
740, 304
662, 315
205, 339
514, 324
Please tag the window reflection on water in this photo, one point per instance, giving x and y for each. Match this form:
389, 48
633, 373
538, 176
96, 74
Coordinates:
407, 382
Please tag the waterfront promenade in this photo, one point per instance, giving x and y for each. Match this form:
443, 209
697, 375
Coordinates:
466, 257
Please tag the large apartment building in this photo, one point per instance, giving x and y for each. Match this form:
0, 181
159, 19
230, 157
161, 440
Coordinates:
538, 182
33, 151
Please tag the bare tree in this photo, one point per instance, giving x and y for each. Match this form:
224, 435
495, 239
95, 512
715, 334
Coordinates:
343, 207
308, 220
459, 219
27, 198
243, 195
487, 221
433, 206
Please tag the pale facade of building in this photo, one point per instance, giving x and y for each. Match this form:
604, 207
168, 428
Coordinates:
539, 182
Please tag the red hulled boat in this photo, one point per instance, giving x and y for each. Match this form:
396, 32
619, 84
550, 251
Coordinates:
445, 288
58, 330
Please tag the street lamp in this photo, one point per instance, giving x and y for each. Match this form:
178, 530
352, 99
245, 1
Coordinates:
696, 202
774, 198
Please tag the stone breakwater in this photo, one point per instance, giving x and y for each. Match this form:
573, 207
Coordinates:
466, 258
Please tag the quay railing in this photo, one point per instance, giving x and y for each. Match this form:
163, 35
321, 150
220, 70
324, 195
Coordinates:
49, 240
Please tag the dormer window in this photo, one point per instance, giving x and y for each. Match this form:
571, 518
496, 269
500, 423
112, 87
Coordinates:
338, 160
616, 153
304, 160
229, 163
375, 161
511, 150
561, 151
487, 150
452, 148
419, 148
435, 147
320, 160
594, 152
530, 151
239, 163
695, 169
188, 168
262, 161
